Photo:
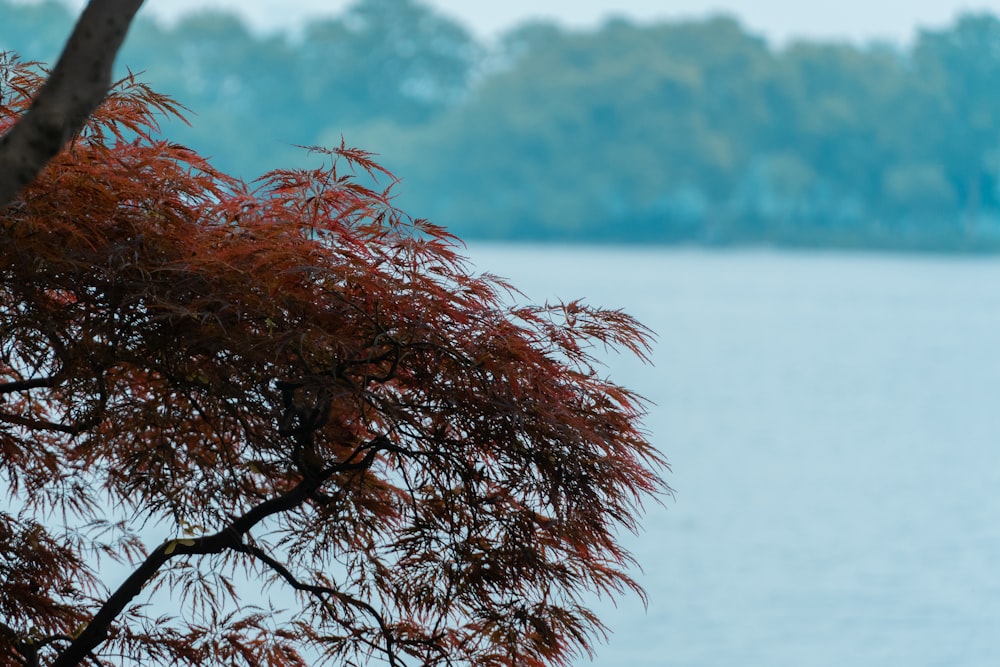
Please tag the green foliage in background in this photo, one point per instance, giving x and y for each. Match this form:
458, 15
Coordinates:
695, 131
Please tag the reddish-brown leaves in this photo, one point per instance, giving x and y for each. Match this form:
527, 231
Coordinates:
307, 390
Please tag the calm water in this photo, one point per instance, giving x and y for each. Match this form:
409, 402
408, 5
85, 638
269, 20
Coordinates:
832, 421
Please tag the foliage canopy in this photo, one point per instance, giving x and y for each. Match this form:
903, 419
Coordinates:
303, 388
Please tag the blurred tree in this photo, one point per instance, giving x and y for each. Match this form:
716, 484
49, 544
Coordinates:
234, 81
632, 132
393, 59
962, 65
919, 191
780, 194
837, 102
622, 133
36, 29
699, 131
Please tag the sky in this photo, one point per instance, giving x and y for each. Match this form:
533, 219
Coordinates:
779, 20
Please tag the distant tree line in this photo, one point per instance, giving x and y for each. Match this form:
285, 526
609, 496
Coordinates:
695, 131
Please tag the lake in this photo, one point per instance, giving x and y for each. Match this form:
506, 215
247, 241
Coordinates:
832, 421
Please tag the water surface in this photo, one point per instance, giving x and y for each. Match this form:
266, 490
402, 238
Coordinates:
832, 421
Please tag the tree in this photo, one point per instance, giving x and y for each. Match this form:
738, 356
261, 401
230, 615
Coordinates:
391, 59
302, 388
961, 64
622, 133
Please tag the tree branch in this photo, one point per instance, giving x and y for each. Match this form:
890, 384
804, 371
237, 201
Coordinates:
26, 385
46, 425
230, 537
292, 581
78, 84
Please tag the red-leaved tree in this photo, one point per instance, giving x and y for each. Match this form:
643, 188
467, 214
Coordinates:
308, 394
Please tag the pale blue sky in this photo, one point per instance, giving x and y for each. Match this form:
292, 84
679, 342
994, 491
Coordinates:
778, 19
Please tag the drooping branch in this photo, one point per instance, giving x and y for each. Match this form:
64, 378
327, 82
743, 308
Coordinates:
78, 84
324, 592
230, 537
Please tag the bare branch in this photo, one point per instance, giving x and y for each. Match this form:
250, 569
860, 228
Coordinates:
78, 84
45, 425
26, 385
322, 591
228, 538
